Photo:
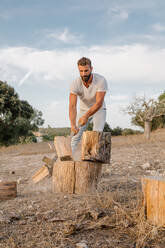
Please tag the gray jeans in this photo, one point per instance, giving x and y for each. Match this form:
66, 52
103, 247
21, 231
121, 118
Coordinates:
98, 125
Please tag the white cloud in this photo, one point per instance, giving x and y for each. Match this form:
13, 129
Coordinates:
123, 15
118, 97
117, 14
121, 65
116, 116
131, 63
158, 27
56, 114
65, 36
118, 63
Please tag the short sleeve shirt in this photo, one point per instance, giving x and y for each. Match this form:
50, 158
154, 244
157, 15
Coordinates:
88, 95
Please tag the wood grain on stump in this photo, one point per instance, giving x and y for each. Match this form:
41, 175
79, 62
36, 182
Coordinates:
76, 177
64, 176
8, 190
96, 146
87, 176
154, 199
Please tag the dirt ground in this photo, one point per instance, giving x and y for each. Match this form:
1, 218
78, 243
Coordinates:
112, 217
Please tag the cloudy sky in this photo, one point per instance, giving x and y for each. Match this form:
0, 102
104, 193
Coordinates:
41, 41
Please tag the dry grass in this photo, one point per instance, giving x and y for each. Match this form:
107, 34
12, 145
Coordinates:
28, 149
114, 217
156, 136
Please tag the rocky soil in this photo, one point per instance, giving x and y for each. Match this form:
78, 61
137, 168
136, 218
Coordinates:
113, 217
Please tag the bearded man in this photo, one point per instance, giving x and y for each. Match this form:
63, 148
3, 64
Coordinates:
91, 89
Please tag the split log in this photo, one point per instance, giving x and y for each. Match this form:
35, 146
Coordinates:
76, 177
41, 174
49, 163
154, 199
96, 146
63, 148
45, 170
8, 190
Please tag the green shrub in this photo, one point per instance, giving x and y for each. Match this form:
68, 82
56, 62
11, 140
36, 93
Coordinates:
48, 137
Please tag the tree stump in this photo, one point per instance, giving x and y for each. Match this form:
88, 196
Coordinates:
87, 176
154, 199
8, 190
96, 146
76, 177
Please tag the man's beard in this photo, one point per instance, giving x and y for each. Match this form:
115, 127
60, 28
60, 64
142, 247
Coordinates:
85, 78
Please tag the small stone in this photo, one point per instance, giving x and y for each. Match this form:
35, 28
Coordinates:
23, 222
81, 245
12, 172
84, 241
145, 166
153, 172
2, 237
19, 180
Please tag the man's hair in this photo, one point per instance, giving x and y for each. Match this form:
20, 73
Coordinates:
84, 61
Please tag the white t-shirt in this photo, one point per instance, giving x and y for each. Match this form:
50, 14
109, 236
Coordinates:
88, 95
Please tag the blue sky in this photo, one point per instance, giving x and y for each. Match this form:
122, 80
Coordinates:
41, 42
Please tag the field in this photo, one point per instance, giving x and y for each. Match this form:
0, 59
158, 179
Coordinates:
111, 218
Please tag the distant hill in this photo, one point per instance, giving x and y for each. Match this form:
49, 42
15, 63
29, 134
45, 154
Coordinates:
59, 131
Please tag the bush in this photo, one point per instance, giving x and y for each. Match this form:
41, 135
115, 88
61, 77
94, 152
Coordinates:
48, 137
116, 131
129, 131
28, 139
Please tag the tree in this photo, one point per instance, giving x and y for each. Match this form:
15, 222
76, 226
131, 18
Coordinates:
144, 111
17, 117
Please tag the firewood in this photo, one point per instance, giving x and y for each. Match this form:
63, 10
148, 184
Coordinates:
154, 199
45, 170
8, 190
96, 146
63, 148
41, 174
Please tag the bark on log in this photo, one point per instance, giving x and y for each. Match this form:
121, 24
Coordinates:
63, 148
8, 190
154, 199
96, 146
76, 177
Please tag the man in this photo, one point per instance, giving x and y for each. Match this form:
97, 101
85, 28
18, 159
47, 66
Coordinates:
91, 89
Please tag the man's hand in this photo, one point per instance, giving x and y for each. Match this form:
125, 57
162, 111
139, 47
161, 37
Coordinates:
74, 130
83, 120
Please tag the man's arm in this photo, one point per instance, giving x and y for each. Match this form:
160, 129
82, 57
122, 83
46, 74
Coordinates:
99, 102
73, 112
